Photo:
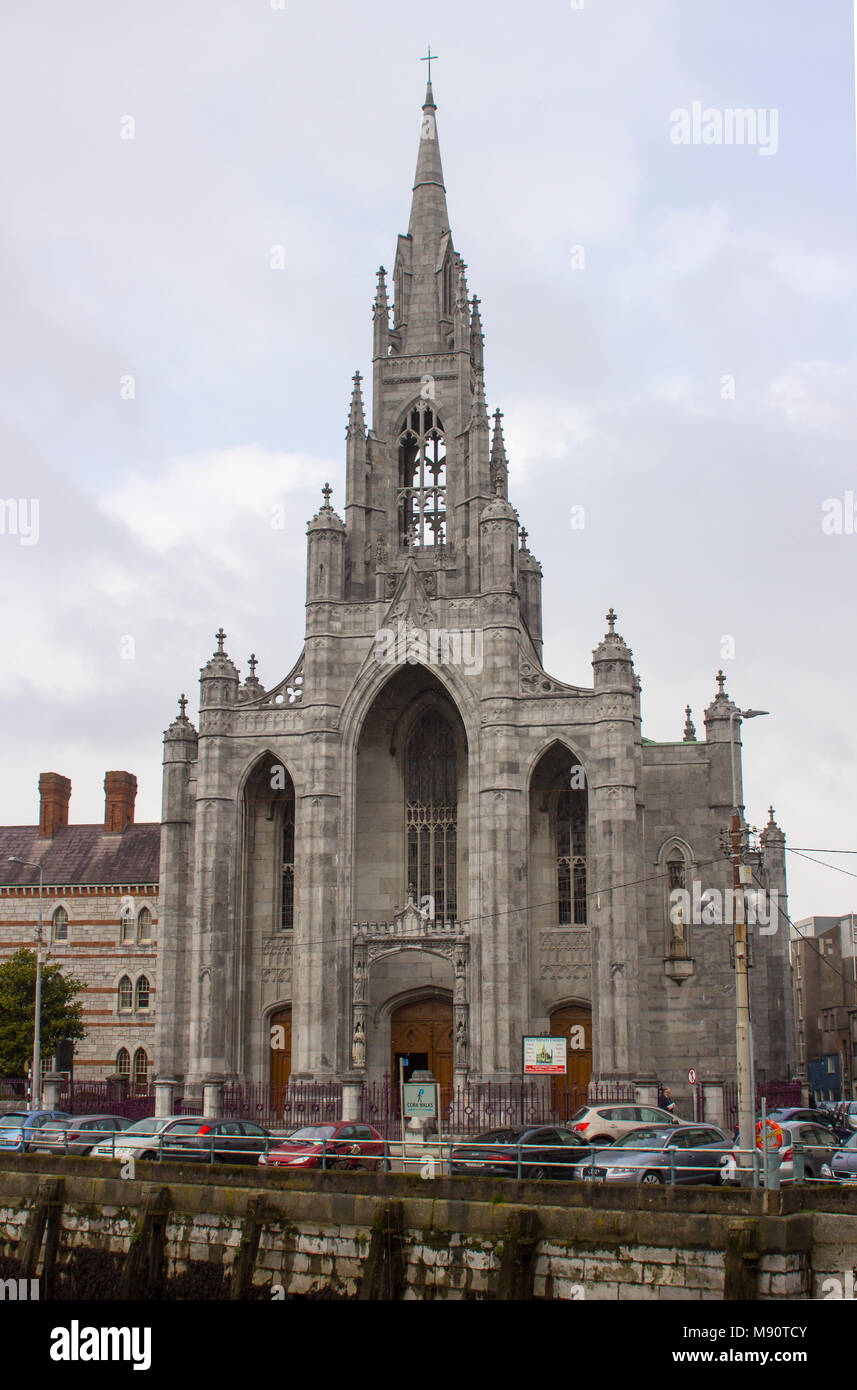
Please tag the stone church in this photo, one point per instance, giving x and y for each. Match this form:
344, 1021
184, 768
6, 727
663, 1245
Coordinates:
419, 843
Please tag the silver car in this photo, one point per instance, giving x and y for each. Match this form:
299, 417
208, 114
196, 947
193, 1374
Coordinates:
601, 1124
77, 1135
683, 1153
819, 1145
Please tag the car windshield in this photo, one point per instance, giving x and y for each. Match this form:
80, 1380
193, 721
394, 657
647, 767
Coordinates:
149, 1126
313, 1132
579, 1114
850, 1143
645, 1138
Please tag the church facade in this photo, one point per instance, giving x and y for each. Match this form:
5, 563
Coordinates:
419, 842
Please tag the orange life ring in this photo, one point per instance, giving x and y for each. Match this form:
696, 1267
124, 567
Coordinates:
774, 1132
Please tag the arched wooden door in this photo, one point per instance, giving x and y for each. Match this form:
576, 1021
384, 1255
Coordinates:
421, 1032
280, 1042
573, 1022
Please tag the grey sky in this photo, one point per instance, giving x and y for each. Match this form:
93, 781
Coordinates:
258, 127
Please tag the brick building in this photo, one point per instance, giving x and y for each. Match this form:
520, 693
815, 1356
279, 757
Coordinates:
824, 968
100, 917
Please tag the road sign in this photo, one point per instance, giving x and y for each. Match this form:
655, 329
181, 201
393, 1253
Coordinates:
545, 1056
691, 1076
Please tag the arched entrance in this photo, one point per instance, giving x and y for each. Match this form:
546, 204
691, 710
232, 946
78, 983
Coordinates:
421, 1032
573, 1022
280, 1043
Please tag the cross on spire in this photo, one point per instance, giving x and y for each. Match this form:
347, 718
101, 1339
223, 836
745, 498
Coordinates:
252, 663
429, 58
721, 681
183, 705
611, 619
220, 636
771, 812
524, 534
325, 492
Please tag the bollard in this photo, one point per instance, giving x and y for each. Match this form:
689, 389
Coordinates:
324, 1155
671, 1152
798, 1162
518, 1173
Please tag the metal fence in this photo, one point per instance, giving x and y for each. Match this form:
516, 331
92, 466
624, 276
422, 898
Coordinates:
778, 1094
100, 1098
471, 1110
284, 1107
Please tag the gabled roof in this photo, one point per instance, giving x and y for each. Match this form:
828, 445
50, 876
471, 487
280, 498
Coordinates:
82, 854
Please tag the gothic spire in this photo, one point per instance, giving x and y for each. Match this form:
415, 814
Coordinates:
689, 728
477, 337
429, 216
356, 419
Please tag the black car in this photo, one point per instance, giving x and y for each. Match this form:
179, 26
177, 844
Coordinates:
534, 1151
217, 1141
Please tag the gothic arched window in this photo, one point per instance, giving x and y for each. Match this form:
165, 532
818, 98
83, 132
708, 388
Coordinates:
59, 925
144, 925
422, 478
126, 994
287, 871
123, 1062
142, 993
431, 793
571, 853
141, 1070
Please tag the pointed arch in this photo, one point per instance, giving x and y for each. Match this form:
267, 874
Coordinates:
559, 835
422, 475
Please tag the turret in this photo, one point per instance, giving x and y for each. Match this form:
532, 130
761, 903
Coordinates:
325, 553
498, 541
530, 585
613, 662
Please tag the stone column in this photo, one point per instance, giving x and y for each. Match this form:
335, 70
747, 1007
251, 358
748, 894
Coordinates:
175, 896
117, 1088
646, 1090
352, 1094
715, 1109
165, 1089
212, 1097
51, 1085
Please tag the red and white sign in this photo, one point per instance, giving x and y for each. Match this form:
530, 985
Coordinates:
691, 1076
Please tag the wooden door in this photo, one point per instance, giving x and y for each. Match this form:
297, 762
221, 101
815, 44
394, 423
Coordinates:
281, 1056
424, 1026
573, 1022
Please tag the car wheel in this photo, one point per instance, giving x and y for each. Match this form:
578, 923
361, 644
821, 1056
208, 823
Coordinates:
537, 1173
650, 1179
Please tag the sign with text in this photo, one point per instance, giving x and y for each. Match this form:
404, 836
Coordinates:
420, 1099
545, 1056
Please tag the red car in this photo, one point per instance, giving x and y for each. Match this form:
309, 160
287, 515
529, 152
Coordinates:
345, 1145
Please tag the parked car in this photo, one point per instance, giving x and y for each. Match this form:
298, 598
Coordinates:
684, 1153
843, 1163
546, 1151
144, 1138
826, 1118
819, 1145
601, 1124
76, 1135
18, 1127
216, 1141
346, 1145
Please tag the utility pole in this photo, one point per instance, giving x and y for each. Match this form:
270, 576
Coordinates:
746, 1098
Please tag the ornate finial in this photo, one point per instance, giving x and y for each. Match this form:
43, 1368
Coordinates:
611, 619
220, 637
326, 492
429, 58
689, 730
524, 534
252, 663
771, 815
411, 536
721, 681
182, 706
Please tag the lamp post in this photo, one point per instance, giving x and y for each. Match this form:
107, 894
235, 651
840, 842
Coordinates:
743, 1035
36, 1084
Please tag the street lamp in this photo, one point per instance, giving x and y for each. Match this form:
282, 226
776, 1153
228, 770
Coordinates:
743, 1034
36, 1087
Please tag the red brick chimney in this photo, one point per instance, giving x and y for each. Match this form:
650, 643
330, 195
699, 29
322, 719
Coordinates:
120, 793
54, 796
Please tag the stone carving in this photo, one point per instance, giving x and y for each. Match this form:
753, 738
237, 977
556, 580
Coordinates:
565, 954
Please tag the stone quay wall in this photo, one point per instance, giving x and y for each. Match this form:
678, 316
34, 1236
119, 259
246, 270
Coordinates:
182, 1231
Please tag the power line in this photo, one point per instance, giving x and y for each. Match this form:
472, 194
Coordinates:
810, 941
821, 862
